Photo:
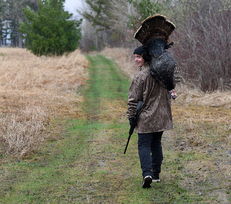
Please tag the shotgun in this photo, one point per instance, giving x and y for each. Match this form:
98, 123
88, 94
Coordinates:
132, 128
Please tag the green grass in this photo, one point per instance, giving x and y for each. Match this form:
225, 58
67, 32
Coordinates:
85, 162
107, 81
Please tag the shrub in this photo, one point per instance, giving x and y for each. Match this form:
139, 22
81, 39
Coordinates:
50, 31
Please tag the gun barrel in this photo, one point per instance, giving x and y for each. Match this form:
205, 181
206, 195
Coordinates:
127, 143
132, 129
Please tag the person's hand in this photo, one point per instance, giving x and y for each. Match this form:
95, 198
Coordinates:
173, 94
133, 122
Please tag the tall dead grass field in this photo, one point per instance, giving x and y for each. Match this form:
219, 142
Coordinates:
33, 91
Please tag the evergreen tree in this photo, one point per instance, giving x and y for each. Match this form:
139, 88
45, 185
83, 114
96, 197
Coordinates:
145, 8
105, 23
99, 13
50, 31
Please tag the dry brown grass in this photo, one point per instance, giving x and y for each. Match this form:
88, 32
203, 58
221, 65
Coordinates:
33, 90
124, 58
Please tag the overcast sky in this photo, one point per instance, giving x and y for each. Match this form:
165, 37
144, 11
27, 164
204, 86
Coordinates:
72, 5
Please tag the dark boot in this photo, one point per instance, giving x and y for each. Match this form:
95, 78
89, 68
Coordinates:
155, 177
147, 182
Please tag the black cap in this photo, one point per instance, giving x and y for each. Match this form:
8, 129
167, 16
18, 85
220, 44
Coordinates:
139, 51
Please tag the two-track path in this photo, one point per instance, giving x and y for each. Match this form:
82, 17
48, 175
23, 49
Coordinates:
83, 161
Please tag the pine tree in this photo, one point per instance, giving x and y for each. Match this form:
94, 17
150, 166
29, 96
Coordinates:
105, 20
50, 31
99, 13
145, 8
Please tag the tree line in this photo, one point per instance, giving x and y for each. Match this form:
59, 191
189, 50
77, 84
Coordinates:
113, 22
202, 36
47, 29
10, 15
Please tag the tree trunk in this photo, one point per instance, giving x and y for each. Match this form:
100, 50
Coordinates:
19, 40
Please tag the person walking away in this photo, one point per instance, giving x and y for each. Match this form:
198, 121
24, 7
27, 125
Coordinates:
154, 116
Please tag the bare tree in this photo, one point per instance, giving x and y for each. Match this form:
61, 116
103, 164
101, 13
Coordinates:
203, 42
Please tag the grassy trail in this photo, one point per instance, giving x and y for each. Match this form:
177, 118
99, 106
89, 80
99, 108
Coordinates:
84, 162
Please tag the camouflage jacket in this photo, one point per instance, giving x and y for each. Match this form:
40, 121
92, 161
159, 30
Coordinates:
155, 113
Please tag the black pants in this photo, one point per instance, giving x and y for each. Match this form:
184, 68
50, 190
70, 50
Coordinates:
150, 152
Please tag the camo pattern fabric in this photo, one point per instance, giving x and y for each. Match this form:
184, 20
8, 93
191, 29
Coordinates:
155, 113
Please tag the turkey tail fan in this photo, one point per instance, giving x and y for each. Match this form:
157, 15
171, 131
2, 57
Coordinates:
169, 27
154, 35
152, 26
